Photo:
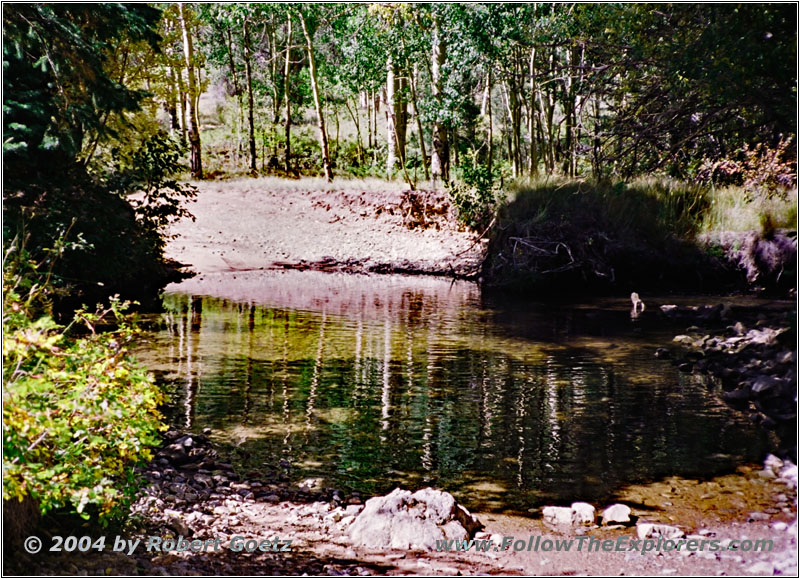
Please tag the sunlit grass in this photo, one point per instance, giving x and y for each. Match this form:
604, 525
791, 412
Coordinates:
682, 208
732, 209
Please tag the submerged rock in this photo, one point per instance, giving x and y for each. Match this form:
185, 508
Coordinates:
406, 520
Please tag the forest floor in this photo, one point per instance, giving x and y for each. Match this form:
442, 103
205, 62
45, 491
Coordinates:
351, 225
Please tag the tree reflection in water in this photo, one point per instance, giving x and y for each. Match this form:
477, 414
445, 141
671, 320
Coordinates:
413, 389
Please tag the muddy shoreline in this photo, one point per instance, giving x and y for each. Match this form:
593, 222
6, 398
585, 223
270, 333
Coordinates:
367, 226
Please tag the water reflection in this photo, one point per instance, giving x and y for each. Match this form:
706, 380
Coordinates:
419, 386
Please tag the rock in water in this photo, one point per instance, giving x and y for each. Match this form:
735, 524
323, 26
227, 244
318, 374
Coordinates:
617, 515
406, 520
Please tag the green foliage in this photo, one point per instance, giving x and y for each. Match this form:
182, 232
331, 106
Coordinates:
62, 103
78, 412
473, 194
150, 171
699, 80
55, 86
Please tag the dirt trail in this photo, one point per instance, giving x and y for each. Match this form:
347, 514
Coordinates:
357, 225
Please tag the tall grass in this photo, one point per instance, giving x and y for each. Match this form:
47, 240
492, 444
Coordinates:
649, 207
652, 232
734, 209
683, 209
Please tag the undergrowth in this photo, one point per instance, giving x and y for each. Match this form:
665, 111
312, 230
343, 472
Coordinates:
78, 412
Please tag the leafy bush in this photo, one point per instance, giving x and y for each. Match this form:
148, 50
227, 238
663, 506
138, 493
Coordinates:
78, 412
150, 169
116, 238
761, 170
473, 195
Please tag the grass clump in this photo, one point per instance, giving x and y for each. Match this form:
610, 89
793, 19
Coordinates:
78, 412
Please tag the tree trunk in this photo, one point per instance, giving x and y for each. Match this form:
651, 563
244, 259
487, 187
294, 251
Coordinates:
287, 100
533, 161
489, 115
251, 136
440, 156
182, 104
401, 115
312, 66
196, 159
369, 120
376, 106
355, 116
237, 91
421, 136
172, 102
273, 43
391, 129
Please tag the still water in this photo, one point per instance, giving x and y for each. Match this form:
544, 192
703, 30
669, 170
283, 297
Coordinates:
373, 382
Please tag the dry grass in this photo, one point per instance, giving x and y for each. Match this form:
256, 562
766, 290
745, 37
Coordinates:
319, 184
732, 209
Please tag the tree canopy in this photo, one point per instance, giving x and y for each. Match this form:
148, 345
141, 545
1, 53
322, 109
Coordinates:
469, 91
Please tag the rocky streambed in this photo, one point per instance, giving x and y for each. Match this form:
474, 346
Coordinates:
198, 516
750, 355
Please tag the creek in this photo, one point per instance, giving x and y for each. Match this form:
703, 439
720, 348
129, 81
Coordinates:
367, 383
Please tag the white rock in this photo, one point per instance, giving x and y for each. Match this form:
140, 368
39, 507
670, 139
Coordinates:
353, 510
619, 514
346, 521
789, 472
557, 515
792, 530
773, 463
653, 530
335, 515
780, 526
405, 520
583, 514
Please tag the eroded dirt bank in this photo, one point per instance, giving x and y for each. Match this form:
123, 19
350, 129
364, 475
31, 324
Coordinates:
355, 226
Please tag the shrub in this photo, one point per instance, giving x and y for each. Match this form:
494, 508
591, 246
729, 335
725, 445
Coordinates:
78, 412
761, 170
473, 194
116, 242
150, 169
